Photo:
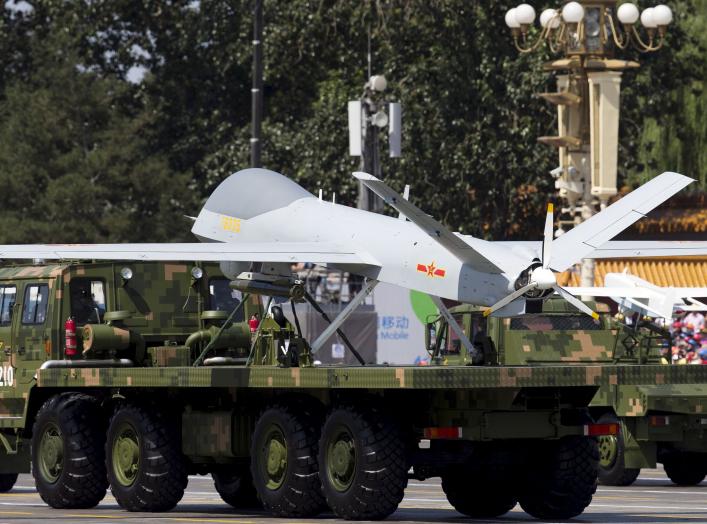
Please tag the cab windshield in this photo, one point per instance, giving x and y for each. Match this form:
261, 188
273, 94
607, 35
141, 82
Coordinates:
7, 301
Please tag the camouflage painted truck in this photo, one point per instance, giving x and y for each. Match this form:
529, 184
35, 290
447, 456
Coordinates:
661, 409
133, 376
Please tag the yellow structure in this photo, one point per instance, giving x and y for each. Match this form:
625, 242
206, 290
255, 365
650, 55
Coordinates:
675, 271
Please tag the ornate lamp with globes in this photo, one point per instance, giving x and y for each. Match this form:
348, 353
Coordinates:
587, 36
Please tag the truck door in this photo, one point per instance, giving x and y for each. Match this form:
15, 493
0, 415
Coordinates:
31, 324
8, 404
24, 313
8, 294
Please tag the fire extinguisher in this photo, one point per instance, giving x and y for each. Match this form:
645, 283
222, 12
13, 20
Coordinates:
253, 324
70, 330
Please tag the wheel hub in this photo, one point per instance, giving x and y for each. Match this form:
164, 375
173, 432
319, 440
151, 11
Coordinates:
126, 456
608, 449
51, 453
274, 458
277, 458
341, 460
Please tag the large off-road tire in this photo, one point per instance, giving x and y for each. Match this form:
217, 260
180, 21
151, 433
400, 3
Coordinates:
685, 469
7, 481
612, 469
362, 463
562, 483
284, 464
235, 485
478, 494
68, 463
145, 465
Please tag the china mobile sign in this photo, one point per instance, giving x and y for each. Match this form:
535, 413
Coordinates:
401, 316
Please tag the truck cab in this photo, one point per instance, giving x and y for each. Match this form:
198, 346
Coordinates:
658, 406
557, 334
162, 304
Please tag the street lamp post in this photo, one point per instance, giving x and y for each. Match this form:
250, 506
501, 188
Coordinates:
587, 35
257, 89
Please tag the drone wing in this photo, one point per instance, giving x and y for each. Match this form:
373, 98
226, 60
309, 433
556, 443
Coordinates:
290, 252
649, 248
632, 292
623, 248
451, 242
585, 238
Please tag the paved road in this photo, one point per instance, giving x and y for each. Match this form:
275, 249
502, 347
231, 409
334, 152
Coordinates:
652, 499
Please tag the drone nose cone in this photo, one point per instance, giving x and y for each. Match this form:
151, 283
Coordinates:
544, 278
252, 192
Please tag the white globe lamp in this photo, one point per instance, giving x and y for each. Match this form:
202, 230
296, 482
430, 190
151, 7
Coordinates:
573, 13
647, 19
628, 14
549, 18
525, 14
662, 15
511, 20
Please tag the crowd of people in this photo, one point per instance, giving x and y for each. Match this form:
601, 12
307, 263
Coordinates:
689, 339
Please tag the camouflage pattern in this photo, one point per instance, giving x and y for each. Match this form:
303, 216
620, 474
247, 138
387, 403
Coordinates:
383, 377
634, 385
532, 383
169, 356
162, 300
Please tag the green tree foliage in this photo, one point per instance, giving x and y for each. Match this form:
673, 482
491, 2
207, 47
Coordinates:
76, 165
663, 103
87, 155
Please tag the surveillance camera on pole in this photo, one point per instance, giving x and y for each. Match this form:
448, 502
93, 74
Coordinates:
367, 117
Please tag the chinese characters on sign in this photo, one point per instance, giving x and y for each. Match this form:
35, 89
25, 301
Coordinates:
394, 327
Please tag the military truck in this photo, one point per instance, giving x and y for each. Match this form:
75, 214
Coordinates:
660, 408
133, 376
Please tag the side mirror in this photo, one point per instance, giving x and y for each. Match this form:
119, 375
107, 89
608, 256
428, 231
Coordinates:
430, 336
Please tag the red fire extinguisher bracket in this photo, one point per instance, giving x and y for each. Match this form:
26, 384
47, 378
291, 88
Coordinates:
70, 349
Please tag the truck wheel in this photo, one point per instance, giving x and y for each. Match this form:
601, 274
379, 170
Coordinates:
284, 461
478, 494
685, 469
7, 481
563, 485
612, 470
235, 485
145, 466
363, 467
67, 452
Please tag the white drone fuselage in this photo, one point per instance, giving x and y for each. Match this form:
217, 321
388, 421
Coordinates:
393, 251
257, 216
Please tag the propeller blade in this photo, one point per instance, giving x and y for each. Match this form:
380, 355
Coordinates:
510, 298
547, 239
569, 297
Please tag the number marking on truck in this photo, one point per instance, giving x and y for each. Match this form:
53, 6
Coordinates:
7, 376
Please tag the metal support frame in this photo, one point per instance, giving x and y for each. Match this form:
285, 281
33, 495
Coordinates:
345, 313
7, 445
458, 331
256, 337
